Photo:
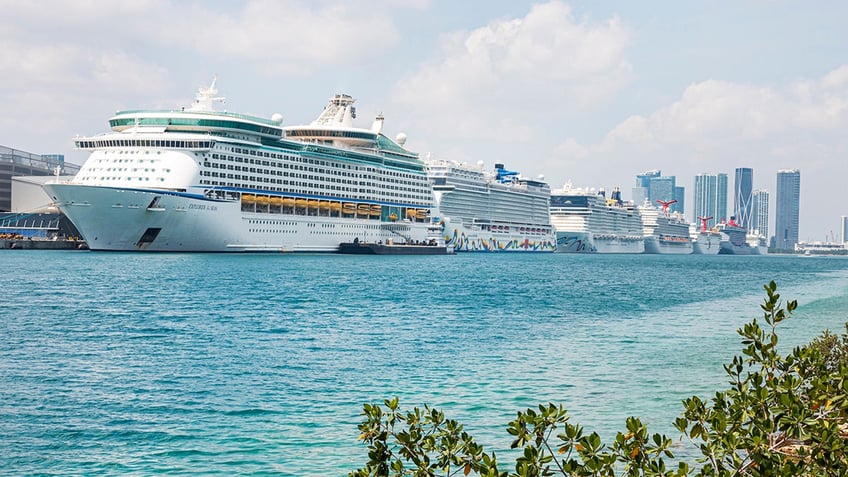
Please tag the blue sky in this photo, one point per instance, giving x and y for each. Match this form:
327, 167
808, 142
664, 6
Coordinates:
587, 92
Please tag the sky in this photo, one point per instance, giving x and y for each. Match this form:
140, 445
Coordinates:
591, 93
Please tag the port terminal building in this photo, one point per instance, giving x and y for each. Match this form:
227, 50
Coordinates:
25, 209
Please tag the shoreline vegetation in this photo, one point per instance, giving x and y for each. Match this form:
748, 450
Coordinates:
782, 415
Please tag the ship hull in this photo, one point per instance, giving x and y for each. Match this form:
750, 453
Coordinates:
124, 219
654, 245
472, 239
585, 242
706, 244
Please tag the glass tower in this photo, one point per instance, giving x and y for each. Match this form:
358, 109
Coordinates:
641, 192
710, 197
760, 212
664, 188
742, 188
787, 208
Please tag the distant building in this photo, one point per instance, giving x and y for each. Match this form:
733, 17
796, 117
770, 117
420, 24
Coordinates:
664, 188
760, 212
641, 192
787, 209
15, 163
844, 237
680, 197
742, 189
710, 197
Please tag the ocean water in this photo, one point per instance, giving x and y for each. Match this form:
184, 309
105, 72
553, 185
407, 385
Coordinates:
145, 364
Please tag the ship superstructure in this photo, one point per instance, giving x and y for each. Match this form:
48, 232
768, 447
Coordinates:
199, 179
588, 222
491, 210
739, 241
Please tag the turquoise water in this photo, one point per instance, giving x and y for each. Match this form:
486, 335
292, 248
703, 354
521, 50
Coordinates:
116, 363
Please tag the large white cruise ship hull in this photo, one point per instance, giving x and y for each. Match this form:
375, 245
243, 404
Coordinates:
585, 242
124, 219
509, 239
706, 244
654, 244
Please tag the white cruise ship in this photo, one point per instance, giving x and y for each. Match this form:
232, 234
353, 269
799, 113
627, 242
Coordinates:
491, 211
665, 232
740, 241
706, 240
200, 180
587, 222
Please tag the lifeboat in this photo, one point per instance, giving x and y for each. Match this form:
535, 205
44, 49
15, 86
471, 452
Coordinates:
302, 203
421, 214
248, 198
363, 209
324, 205
410, 213
392, 217
288, 202
313, 203
262, 199
336, 206
276, 200
348, 208
376, 210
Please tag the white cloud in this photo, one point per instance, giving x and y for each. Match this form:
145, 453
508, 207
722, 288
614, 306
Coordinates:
533, 67
285, 36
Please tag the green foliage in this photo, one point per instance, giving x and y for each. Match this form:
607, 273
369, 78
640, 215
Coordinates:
781, 416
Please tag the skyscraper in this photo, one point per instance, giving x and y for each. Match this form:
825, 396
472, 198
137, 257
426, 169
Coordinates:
787, 208
760, 212
742, 187
663, 188
643, 183
680, 197
710, 197
844, 229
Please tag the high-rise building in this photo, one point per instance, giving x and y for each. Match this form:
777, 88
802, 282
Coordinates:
641, 192
710, 197
787, 209
680, 197
760, 212
664, 188
844, 229
742, 188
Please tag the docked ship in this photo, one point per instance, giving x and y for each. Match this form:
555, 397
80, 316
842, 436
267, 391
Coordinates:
705, 240
737, 242
491, 211
197, 179
589, 222
665, 232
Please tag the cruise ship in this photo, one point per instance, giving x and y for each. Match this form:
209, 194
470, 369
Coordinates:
491, 211
738, 242
589, 222
196, 179
706, 240
665, 232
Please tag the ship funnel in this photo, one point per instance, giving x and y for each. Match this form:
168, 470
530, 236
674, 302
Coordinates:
377, 126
